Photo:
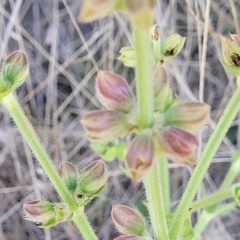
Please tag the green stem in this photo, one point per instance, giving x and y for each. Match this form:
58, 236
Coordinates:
214, 198
202, 223
214, 142
231, 175
29, 134
154, 193
207, 217
164, 179
144, 83
83, 225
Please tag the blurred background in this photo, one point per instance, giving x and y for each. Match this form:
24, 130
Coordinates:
65, 56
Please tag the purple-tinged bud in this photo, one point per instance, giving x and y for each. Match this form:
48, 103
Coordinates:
91, 181
39, 212
140, 156
171, 47
231, 55
127, 237
114, 92
179, 145
128, 221
104, 125
47, 213
161, 89
69, 174
15, 69
190, 117
95, 9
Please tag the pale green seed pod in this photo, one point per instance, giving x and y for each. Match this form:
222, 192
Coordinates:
231, 55
127, 56
171, 47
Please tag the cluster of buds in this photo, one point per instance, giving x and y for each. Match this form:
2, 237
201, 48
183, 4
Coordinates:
87, 184
46, 214
130, 223
13, 73
163, 51
140, 12
83, 186
116, 95
171, 133
231, 54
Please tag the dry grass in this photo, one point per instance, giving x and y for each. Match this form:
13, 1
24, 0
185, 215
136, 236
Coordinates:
65, 57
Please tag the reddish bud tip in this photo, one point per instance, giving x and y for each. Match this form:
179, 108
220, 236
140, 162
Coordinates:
140, 156
114, 92
128, 221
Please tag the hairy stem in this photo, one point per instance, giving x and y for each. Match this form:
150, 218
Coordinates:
29, 134
144, 85
214, 198
155, 198
213, 144
164, 179
83, 225
207, 217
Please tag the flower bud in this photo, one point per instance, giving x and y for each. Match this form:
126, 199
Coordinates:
104, 125
190, 117
178, 145
128, 221
92, 181
47, 213
15, 69
95, 9
114, 92
38, 212
161, 89
127, 237
141, 12
171, 47
140, 156
69, 174
127, 56
231, 55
